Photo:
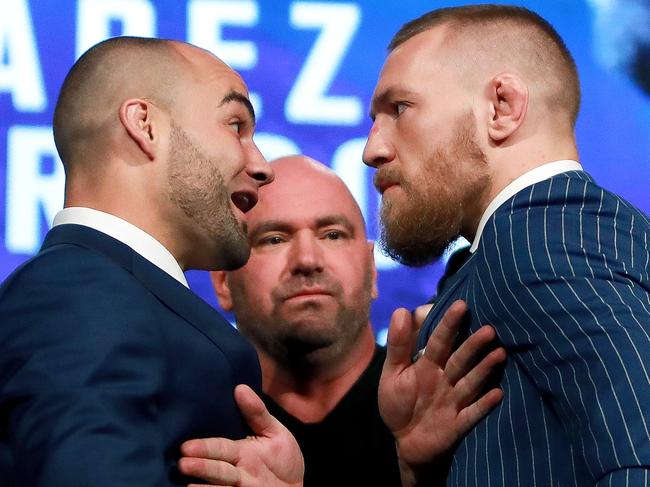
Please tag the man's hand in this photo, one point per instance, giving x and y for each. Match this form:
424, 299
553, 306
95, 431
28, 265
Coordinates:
431, 404
271, 458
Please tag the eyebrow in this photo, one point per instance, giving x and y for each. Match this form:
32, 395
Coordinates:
268, 226
378, 99
283, 226
235, 96
336, 220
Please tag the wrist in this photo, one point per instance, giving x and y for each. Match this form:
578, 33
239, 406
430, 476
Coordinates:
430, 474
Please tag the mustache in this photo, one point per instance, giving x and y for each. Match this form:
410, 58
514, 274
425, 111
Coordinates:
298, 284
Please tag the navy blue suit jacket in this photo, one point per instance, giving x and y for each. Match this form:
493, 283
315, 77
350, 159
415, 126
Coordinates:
107, 364
562, 272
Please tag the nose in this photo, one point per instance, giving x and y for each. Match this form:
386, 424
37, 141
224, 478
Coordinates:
258, 167
306, 255
378, 150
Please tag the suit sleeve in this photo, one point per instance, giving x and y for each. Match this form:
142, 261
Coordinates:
571, 285
81, 366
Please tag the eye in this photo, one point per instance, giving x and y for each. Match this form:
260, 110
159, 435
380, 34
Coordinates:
271, 240
399, 107
334, 235
236, 126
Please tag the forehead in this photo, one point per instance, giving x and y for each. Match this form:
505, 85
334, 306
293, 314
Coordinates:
417, 60
301, 197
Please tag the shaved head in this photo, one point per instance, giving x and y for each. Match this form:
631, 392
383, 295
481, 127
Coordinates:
100, 80
291, 171
305, 293
485, 40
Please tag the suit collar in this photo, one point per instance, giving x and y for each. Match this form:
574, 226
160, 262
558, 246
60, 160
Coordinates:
527, 179
127, 233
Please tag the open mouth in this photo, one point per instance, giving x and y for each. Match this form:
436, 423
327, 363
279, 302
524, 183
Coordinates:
244, 200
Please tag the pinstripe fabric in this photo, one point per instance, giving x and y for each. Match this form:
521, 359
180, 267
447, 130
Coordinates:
562, 272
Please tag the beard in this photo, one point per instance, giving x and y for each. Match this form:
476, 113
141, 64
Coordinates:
309, 332
197, 187
417, 229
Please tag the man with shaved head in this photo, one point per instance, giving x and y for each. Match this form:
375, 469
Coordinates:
108, 361
303, 300
473, 136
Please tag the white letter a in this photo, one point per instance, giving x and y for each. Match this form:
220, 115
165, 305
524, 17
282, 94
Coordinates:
21, 75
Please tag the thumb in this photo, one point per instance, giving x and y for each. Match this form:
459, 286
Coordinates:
255, 413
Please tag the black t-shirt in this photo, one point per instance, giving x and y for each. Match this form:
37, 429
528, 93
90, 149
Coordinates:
351, 446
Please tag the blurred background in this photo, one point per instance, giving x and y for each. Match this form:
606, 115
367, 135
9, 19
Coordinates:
311, 68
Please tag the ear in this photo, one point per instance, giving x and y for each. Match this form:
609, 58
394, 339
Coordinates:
136, 116
221, 288
374, 293
508, 97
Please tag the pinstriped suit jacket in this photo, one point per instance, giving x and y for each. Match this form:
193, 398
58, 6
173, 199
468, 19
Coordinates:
562, 272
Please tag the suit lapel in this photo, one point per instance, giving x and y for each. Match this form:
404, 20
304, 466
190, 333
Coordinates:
172, 293
442, 303
187, 304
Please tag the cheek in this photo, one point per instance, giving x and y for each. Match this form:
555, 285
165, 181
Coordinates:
254, 271
265, 273
352, 272
410, 128
230, 155
252, 295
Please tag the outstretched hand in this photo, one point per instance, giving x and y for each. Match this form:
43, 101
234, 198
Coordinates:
430, 404
271, 458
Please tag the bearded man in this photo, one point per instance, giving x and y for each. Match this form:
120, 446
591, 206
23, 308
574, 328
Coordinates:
473, 136
303, 300
108, 361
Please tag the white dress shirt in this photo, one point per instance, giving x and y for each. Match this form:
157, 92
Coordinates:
127, 233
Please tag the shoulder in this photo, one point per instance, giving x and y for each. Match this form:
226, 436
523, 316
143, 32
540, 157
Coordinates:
71, 294
563, 222
60, 269
573, 194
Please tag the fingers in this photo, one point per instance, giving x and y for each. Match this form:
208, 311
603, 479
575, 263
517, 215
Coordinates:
442, 339
470, 386
468, 354
401, 340
213, 471
475, 412
211, 459
211, 448
255, 413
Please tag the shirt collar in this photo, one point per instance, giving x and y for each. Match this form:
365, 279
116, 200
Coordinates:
127, 233
529, 178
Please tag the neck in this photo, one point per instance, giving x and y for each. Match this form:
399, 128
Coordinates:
509, 162
130, 205
311, 392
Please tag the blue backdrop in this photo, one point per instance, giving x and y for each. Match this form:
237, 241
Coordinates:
311, 68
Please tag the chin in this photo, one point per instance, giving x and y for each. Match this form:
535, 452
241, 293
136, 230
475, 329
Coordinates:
231, 252
235, 258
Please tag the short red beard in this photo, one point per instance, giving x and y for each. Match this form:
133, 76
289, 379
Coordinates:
418, 229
